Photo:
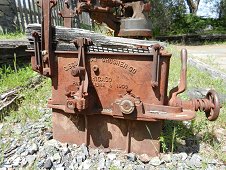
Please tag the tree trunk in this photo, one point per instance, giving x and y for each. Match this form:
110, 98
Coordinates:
193, 6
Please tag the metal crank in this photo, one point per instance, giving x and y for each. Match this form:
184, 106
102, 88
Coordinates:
210, 104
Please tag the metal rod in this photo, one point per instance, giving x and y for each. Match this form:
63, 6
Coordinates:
128, 147
86, 130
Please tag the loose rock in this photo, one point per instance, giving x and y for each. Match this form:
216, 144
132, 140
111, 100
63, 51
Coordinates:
155, 161
144, 158
31, 159
87, 164
33, 149
111, 156
48, 164
131, 156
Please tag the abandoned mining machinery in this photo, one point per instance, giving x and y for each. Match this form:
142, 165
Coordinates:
110, 92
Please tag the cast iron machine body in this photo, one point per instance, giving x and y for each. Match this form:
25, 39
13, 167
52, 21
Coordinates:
111, 96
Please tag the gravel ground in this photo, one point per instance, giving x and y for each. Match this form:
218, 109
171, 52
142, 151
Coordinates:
31, 146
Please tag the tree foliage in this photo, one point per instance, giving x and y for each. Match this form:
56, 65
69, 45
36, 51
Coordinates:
171, 17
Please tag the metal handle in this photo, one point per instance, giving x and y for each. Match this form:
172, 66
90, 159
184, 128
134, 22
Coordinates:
213, 113
183, 80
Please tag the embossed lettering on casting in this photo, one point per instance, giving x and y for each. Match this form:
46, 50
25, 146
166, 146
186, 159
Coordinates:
70, 66
120, 63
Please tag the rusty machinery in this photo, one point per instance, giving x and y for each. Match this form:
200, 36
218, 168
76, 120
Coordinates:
112, 97
127, 18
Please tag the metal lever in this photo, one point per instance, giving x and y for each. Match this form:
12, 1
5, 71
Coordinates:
155, 66
183, 79
38, 56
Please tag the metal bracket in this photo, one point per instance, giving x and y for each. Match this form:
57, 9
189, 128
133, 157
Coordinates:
38, 55
155, 67
46, 35
78, 100
67, 14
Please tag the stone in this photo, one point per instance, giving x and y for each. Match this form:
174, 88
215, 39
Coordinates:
56, 157
31, 159
166, 158
51, 142
25, 153
213, 162
175, 158
41, 163
80, 158
210, 167
24, 162
139, 167
117, 163
101, 155
155, 161
131, 157
111, 156
183, 156
3, 168
65, 151
224, 148
128, 167
144, 158
180, 166
49, 135
101, 163
60, 168
7, 166
48, 164
16, 162
87, 164
42, 154
33, 149
106, 150
196, 161
108, 163
21, 149
94, 153
85, 149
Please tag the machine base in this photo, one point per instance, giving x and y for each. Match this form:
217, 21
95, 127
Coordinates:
107, 132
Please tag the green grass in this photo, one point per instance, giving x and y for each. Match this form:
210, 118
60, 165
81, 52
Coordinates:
33, 98
34, 104
14, 77
202, 130
14, 36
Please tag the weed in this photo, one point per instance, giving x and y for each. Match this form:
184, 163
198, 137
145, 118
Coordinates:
112, 167
11, 78
14, 36
34, 104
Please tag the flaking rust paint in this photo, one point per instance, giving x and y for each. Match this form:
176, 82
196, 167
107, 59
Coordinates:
105, 131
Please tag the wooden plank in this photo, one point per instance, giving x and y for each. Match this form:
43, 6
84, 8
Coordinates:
17, 16
63, 36
39, 12
61, 6
25, 11
54, 15
21, 16
5, 2
34, 11
30, 11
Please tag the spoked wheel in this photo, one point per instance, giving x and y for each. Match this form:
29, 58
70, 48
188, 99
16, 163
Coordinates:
213, 113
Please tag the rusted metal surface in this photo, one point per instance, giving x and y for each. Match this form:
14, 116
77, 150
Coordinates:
128, 18
67, 14
113, 97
